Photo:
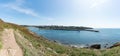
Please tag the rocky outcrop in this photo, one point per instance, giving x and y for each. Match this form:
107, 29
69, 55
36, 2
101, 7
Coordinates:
95, 46
115, 45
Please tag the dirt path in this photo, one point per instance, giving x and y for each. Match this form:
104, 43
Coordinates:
10, 47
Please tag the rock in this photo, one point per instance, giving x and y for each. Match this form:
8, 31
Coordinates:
115, 45
95, 46
55, 41
106, 46
74, 46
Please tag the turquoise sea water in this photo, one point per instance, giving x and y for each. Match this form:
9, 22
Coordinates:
107, 36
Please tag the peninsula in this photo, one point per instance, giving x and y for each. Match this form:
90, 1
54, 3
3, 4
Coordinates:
68, 28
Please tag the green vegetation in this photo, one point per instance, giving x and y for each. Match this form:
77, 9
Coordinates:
0, 41
34, 45
1, 28
0, 44
112, 52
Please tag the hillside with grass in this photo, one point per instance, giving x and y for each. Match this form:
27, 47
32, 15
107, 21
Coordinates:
19, 41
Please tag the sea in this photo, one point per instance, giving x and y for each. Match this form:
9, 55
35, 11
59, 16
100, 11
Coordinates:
106, 37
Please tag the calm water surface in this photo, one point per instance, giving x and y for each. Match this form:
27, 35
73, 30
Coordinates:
82, 38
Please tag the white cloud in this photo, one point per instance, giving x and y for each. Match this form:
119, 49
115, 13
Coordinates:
23, 10
88, 3
17, 7
96, 3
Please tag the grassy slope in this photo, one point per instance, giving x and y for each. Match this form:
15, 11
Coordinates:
44, 47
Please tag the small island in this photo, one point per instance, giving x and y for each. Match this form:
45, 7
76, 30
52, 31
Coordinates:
68, 28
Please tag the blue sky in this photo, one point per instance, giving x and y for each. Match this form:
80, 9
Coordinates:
90, 13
